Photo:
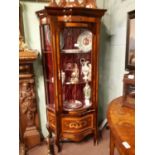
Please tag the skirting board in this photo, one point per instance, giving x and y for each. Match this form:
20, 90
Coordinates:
103, 124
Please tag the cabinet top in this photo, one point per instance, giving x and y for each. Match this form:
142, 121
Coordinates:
74, 11
28, 55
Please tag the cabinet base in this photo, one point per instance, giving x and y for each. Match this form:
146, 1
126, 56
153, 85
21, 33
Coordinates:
31, 137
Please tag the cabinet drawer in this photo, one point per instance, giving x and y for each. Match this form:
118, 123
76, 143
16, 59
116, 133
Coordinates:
76, 137
77, 124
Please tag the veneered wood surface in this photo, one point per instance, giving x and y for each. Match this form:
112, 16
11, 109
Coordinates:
58, 11
121, 121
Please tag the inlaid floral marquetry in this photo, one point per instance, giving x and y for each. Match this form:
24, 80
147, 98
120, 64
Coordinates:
76, 124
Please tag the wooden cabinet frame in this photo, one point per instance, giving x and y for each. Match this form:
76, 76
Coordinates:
81, 122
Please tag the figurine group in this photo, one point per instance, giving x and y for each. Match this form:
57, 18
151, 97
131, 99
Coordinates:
85, 71
86, 76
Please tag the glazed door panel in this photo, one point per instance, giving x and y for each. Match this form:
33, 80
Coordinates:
75, 67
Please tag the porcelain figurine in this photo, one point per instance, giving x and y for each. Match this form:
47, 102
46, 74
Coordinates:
22, 45
75, 74
72, 3
53, 3
82, 3
90, 4
87, 94
62, 3
63, 77
85, 69
89, 74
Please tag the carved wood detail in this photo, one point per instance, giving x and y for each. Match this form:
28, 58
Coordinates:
28, 102
29, 120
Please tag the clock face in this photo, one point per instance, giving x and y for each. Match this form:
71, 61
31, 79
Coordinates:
84, 41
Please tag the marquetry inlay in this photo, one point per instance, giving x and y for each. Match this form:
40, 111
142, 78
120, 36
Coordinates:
77, 124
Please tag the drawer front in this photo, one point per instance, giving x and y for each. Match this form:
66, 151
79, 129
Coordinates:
51, 119
77, 124
76, 137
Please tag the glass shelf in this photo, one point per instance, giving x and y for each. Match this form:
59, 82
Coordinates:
81, 105
68, 51
72, 51
78, 83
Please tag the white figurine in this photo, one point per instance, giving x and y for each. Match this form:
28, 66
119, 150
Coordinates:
62, 77
85, 69
87, 94
75, 74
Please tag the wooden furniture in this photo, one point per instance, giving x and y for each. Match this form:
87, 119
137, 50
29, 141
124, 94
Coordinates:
70, 47
121, 121
129, 90
28, 119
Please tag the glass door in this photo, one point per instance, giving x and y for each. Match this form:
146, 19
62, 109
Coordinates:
76, 68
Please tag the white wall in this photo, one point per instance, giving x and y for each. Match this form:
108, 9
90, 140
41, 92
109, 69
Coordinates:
114, 49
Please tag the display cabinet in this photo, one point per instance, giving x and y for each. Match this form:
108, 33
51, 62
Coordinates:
70, 48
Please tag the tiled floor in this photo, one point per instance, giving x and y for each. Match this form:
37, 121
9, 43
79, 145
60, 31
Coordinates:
85, 147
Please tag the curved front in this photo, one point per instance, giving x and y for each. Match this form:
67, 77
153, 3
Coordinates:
73, 128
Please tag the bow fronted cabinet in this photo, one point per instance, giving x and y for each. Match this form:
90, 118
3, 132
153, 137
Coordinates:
70, 49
